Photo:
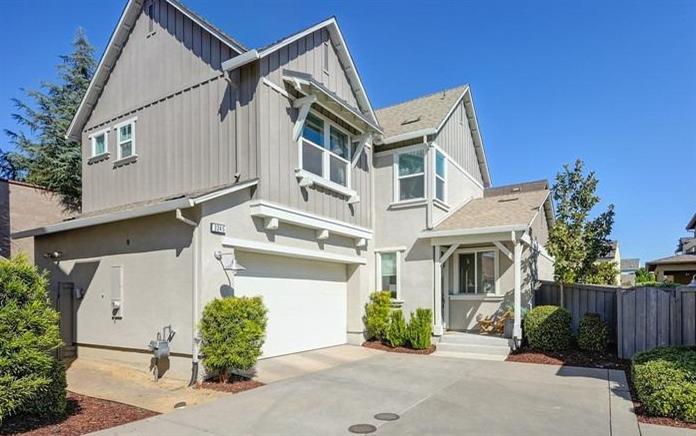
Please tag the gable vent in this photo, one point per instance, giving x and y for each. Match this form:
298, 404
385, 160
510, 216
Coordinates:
411, 121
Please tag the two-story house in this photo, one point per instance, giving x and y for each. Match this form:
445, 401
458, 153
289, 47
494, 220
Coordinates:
211, 169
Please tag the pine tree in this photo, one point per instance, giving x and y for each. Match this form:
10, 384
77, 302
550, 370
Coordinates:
576, 241
42, 155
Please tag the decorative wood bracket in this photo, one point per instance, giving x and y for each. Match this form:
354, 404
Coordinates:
363, 141
503, 249
303, 104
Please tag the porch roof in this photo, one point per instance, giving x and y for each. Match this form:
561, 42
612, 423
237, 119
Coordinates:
509, 210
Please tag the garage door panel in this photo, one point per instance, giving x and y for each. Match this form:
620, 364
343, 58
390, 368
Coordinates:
306, 301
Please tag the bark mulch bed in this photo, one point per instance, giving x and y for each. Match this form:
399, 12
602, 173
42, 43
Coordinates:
84, 415
570, 357
376, 345
235, 384
605, 360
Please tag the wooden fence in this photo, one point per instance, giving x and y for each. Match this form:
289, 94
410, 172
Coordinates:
639, 319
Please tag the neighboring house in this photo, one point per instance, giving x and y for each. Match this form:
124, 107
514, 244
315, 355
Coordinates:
213, 170
24, 206
613, 255
680, 268
628, 271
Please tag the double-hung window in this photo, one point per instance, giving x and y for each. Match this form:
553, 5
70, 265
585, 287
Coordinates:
410, 175
100, 143
325, 150
477, 272
125, 142
440, 177
388, 275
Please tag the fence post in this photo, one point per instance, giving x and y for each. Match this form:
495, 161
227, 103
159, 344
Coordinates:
676, 336
619, 323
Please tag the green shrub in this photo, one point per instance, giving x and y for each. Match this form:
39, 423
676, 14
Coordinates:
420, 329
396, 332
548, 328
32, 380
376, 317
593, 333
665, 381
233, 331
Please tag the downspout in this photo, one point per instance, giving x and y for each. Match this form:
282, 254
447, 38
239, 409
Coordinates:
195, 290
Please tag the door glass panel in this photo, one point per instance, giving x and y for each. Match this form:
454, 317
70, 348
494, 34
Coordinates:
485, 263
467, 273
311, 158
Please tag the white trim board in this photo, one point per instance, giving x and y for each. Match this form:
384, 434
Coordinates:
283, 250
265, 209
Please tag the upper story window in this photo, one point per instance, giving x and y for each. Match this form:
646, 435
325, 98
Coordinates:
125, 139
440, 177
325, 150
410, 175
100, 143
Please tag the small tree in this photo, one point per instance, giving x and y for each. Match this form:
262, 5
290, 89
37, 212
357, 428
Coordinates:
644, 276
396, 332
420, 329
32, 379
576, 241
233, 332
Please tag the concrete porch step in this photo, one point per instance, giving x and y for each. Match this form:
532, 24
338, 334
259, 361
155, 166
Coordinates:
474, 339
474, 356
493, 350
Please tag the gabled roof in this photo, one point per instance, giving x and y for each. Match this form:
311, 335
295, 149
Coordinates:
113, 50
631, 264
427, 115
672, 260
611, 253
331, 25
426, 112
692, 223
502, 208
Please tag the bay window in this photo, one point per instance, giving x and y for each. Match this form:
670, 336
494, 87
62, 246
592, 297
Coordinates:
325, 150
410, 175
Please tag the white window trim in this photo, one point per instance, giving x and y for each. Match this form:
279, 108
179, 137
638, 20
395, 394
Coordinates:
325, 180
456, 278
117, 127
397, 188
442, 201
93, 141
378, 269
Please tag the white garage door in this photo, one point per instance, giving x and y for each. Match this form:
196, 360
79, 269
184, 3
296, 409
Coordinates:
306, 301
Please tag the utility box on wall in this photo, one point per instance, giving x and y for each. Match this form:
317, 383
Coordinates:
117, 291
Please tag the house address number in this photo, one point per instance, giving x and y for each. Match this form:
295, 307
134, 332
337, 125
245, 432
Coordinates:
217, 228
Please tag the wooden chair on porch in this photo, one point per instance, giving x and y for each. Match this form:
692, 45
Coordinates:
494, 324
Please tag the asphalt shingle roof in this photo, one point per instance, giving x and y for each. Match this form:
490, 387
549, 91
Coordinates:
507, 209
420, 113
678, 259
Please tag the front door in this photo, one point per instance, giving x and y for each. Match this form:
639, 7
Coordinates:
64, 304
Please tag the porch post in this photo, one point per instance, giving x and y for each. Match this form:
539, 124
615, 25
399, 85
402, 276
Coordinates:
517, 327
437, 312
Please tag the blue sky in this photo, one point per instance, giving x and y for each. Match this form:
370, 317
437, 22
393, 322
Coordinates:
612, 83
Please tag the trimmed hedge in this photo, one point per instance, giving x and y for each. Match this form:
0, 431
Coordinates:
548, 328
32, 380
396, 332
593, 333
665, 381
233, 331
420, 329
376, 317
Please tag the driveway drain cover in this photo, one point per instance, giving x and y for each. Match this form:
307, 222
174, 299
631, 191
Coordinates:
362, 428
387, 416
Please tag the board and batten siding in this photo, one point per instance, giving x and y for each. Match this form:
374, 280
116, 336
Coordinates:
278, 153
186, 123
455, 138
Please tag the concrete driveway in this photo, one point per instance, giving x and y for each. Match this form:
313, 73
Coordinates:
432, 395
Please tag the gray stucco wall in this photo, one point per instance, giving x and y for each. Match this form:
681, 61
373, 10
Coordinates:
155, 254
